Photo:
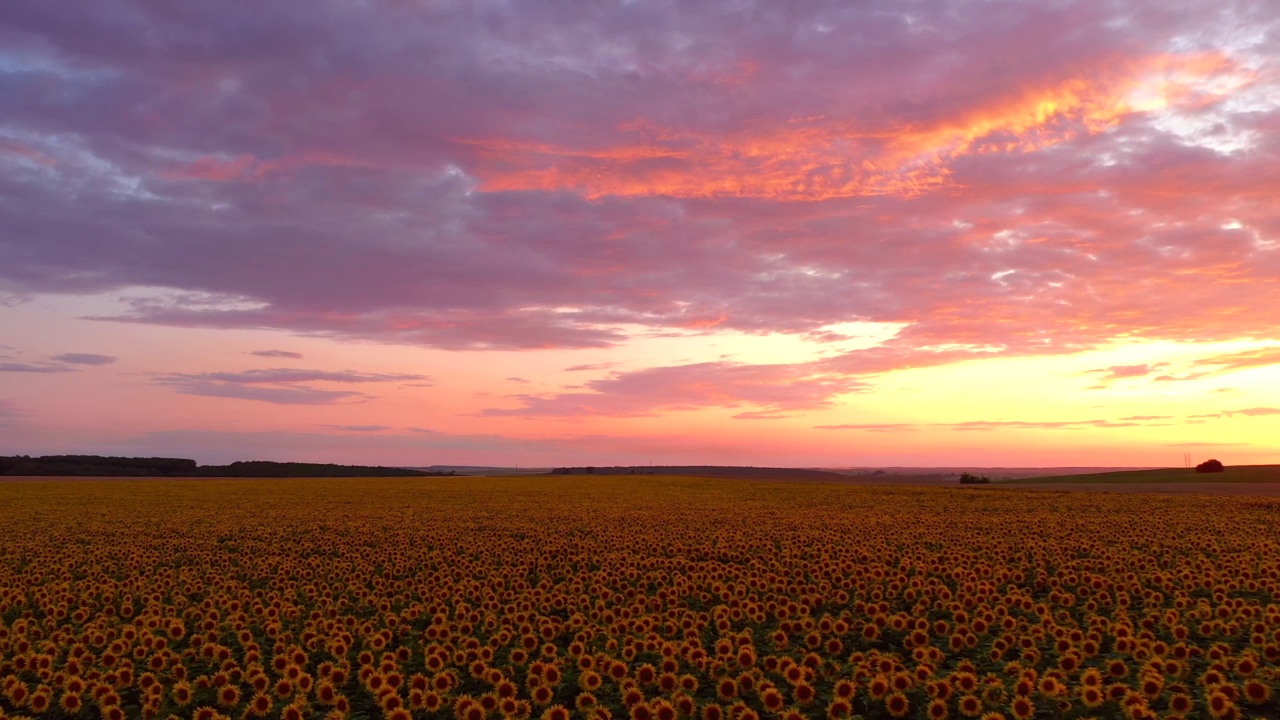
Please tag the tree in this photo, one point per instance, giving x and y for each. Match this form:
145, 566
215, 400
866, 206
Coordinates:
1210, 466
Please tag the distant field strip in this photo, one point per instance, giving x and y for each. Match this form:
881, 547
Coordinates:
1233, 474
630, 598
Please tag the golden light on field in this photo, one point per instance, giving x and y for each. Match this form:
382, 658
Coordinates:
640, 598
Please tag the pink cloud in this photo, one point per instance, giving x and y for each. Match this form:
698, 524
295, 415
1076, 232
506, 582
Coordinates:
771, 388
534, 177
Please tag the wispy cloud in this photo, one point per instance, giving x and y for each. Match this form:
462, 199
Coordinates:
768, 388
91, 359
34, 368
282, 386
286, 354
872, 427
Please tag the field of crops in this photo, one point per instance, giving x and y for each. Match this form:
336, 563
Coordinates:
1234, 474
637, 598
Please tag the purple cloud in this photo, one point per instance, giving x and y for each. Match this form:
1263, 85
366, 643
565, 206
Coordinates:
532, 176
282, 386
360, 428
91, 359
290, 375
286, 354
276, 394
34, 368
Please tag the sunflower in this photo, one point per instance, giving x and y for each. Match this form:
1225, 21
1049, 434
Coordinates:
1022, 708
1220, 706
839, 708
555, 712
878, 687
969, 705
228, 696
897, 705
1256, 692
772, 700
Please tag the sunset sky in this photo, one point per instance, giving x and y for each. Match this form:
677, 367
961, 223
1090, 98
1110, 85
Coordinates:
882, 232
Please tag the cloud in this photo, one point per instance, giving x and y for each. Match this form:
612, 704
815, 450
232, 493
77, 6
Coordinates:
277, 354
589, 367
278, 394
986, 425
770, 388
281, 386
1118, 372
872, 427
517, 380
1253, 412
1247, 359
85, 359
360, 428
34, 368
1042, 178
989, 425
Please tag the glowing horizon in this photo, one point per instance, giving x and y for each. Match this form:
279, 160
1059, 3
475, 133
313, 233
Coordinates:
469, 233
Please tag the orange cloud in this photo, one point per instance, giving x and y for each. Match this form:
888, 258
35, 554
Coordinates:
820, 157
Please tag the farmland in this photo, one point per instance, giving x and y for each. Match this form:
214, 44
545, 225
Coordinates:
1234, 474
636, 598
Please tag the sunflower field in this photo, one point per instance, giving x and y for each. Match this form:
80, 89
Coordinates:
631, 598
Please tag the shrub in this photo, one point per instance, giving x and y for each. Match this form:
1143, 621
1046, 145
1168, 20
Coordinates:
1209, 466
971, 479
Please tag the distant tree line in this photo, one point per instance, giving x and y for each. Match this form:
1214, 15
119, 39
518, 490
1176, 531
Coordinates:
971, 479
99, 466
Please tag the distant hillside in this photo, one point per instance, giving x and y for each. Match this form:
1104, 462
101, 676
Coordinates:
99, 466
995, 473
1232, 474
726, 471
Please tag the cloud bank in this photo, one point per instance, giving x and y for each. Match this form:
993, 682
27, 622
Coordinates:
1034, 178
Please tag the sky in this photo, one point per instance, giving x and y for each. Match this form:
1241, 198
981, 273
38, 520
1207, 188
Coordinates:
415, 232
